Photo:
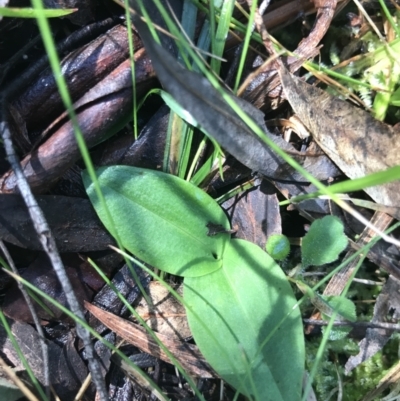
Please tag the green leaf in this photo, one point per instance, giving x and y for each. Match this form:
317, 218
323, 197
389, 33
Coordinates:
337, 333
395, 98
162, 219
218, 42
184, 114
370, 180
33, 13
344, 307
235, 316
324, 242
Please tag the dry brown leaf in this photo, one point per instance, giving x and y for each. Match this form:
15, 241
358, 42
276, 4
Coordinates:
167, 315
357, 143
187, 354
255, 213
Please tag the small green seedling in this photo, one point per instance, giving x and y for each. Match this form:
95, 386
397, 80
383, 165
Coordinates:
323, 243
278, 246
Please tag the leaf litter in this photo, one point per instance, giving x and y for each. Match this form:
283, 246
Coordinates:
357, 143
254, 158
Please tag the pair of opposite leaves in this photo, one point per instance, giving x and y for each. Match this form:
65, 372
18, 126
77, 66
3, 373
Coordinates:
235, 295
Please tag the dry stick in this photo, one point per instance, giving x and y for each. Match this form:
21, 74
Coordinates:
43, 344
84, 387
384, 262
367, 325
259, 23
48, 242
306, 49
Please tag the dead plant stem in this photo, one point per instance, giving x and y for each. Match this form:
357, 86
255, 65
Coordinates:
49, 246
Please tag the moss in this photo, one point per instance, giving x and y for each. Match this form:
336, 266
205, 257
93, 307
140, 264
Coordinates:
361, 380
